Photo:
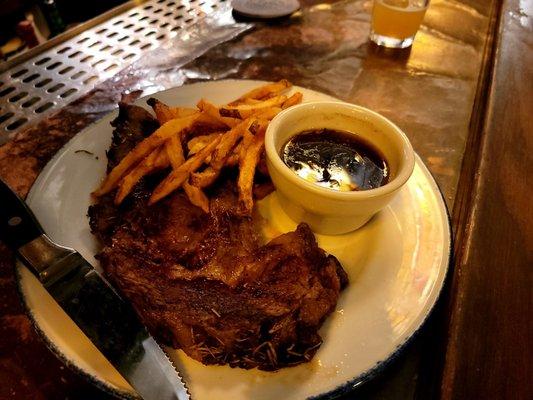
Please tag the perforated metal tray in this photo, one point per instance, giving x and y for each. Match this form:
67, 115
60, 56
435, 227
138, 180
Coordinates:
45, 82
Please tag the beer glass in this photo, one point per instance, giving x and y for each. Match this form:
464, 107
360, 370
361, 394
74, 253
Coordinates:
395, 22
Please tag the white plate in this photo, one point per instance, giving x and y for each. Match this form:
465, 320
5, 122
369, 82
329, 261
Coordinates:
396, 264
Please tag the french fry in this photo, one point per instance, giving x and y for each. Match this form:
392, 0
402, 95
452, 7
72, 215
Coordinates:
174, 151
233, 160
161, 110
221, 155
214, 123
196, 196
259, 127
246, 174
296, 98
172, 127
235, 155
264, 91
210, 174
162, 160
199, 142
247, 139
178, 176
182, 112
245, 110
228, 142
271, 102
212, 110
268, 114
156, 160
204, 178
250, 101
230, 113
165, 113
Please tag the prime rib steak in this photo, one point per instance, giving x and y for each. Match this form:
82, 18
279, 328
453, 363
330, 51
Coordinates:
206, 283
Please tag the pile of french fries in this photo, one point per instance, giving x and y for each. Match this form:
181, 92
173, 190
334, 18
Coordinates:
196, 160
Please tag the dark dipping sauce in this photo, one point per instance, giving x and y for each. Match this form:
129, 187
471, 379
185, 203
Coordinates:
336, 160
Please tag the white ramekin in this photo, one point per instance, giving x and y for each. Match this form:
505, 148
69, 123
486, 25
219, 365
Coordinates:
328, 211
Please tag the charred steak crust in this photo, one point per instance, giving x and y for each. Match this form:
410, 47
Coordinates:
206, 283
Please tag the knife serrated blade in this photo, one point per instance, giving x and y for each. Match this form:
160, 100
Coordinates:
90, 301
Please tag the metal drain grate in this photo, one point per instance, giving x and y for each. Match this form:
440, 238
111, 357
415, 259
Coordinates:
52, 79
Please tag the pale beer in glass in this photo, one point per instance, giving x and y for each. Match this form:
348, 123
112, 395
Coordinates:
395, 22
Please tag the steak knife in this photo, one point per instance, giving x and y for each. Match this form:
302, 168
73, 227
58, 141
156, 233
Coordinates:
90, 301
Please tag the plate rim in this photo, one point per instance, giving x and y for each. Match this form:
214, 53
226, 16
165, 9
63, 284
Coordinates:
381, 365
92, 379
340, 390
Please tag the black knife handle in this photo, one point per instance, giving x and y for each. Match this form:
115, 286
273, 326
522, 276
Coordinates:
18, 225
